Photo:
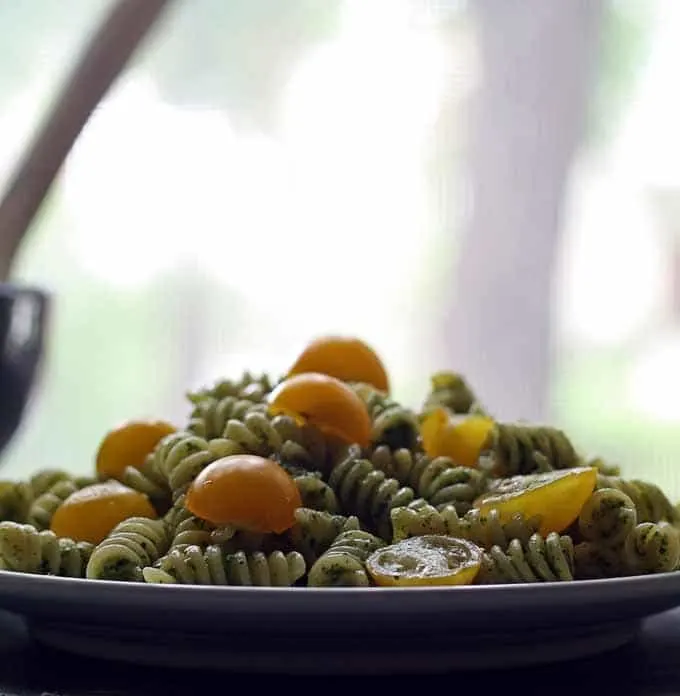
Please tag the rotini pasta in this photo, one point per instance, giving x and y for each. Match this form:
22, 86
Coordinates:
653, 548
252, 387
451, 390
15, 500
393, 424
593, 560
210, 416
605, 468
193, 531
419, 518
651, 503
191, 565
180, 457
333, 482
608, 517
344, 564
44, 506
25, 549
147, 479
366, 492
438, 480
549, 559
516, 448
254, 435
184, 528
44, 479
314, 531
132, 545
315, 493
488, 530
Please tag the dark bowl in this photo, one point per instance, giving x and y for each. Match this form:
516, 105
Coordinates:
24, 315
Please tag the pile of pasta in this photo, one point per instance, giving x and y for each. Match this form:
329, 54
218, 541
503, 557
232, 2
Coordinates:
322, 479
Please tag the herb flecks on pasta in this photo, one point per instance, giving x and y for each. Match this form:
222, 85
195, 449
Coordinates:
324, 478
132, 545
192, 565
25, 549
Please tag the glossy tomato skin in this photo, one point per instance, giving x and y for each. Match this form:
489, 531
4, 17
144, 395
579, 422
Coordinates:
326, 403
128, 445
555, 497
460, 437
92, 512
346, 358
247, 492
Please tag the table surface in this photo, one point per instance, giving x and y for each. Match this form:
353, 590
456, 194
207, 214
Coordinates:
650, 666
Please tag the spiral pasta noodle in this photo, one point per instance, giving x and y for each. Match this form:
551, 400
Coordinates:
419, 518
437, 480
148, 480
44, 506
366, 492
44, 479
255, 434
133, 544
653, 548
607, 517
210, 416
25, 549
15, 500
451, 390
594, 560
393, 424
315, 493
603, 467
184, 528
303, 445
516, 448
489, 530
315, 530
650, 501
549, 559
252, 387
344, 563
193, 531
193, 566
180, 457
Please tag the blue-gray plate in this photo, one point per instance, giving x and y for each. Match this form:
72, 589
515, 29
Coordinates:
315, 630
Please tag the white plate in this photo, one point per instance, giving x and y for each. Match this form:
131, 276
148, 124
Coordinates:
305, 630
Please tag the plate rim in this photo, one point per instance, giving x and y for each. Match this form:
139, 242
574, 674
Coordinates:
663, 580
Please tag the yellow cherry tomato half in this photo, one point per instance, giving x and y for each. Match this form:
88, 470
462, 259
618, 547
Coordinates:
556, 497
425, 560
460, 437
247, 492
325, 403
92, 512
128, 445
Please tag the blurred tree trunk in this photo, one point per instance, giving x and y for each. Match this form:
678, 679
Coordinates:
537, 61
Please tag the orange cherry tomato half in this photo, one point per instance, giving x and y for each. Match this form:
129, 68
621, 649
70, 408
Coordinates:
128, 445
247, 492
325, 403
345, 358
460, 437
92, 512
